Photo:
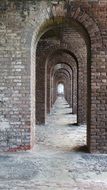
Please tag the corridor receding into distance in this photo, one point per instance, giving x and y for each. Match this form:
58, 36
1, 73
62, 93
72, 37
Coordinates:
53, 95
59, 159
61, 130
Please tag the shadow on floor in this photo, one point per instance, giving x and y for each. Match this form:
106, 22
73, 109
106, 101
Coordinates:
77, 149
65, 104
66, 107
81, 149
68, 113
72, 125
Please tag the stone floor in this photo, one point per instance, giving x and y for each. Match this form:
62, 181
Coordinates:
58, 161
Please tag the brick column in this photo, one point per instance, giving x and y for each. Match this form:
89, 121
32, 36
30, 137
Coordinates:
40, 93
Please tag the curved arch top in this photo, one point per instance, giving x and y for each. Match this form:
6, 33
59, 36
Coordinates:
76, 18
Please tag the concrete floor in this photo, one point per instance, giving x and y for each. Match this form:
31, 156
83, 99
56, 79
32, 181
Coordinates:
58, 161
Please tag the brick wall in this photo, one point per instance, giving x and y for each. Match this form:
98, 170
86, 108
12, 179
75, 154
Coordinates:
21, 25
18, 29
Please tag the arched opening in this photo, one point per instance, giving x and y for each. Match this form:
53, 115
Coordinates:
75, 22
68, 33
61, 59
60, 89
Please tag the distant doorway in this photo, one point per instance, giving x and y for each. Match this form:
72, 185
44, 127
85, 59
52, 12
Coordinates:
60, 89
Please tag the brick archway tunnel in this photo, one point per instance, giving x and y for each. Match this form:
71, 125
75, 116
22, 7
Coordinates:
71, 68
32, 43
64, 76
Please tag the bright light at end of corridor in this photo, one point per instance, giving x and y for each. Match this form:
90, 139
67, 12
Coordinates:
60, 88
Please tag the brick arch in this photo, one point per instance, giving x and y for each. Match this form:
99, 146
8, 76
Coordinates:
81, 91
27, 39
60, 76
62, 70
68, 70
63, 65
59, 80
65, 47
72, 64
87, 26
67, 74
80, 20
62, 81
61, 73
41, 64
72, 70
